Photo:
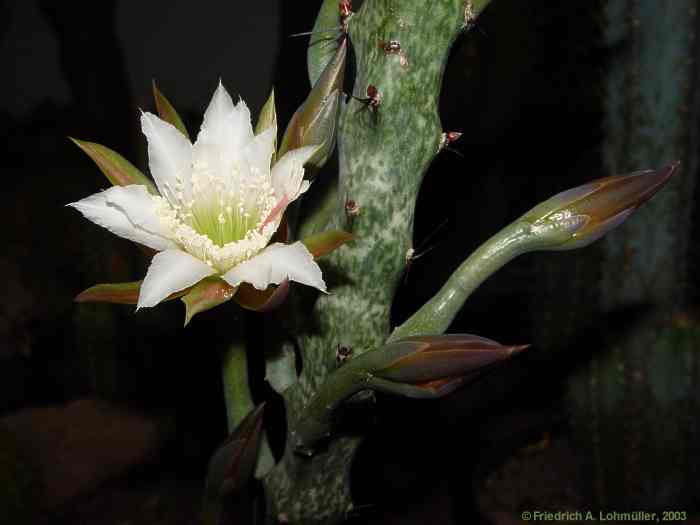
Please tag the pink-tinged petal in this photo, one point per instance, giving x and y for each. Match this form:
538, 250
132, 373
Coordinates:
288, 173
171, 271
276, 213
276, 263
126, 211
169, 156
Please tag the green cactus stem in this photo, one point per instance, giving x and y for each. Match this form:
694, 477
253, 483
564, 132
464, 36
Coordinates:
384, 152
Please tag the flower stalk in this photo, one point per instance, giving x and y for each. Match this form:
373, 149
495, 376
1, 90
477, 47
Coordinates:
239, 402
571, 219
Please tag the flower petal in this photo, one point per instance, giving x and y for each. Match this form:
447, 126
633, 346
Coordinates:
288, 173
225, 125
259, 151
171, 271
217, 117
138, 205
126, 211
169, 156
276, 263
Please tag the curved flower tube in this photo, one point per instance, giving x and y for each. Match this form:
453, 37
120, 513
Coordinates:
220, 202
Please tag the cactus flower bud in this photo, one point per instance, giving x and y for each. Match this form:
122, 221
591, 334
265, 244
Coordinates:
422, 366
316, 119
577, 217
233, 463
432, 366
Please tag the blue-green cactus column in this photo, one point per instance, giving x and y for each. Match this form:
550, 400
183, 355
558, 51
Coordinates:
636, 403
384, 152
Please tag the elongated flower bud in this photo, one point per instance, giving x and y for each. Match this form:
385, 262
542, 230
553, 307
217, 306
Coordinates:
571, 219
577, 217
431, 358
419, 367
431, 366
315, 122
233, 463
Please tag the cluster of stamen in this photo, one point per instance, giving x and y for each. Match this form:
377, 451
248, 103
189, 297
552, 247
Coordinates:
220, 218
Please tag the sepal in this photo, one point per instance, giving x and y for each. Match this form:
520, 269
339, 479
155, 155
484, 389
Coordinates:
205, 295
118, 293
272, 297
324, 243
118, 170
167, 112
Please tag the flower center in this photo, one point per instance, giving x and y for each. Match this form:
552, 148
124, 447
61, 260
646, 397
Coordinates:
219, 219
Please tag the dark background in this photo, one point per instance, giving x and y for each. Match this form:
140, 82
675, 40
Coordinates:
524, 87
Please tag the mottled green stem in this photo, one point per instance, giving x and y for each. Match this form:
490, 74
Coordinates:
239, 402
318, 416
383, 155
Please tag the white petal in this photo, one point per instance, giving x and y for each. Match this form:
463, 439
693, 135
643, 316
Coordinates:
259, 151
218, 113
225, 126
170, 271
169, 156
138, 205
288, 173
126, 211
243, 126
276, 263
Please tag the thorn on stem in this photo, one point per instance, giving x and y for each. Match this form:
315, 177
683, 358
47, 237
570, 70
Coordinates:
468, 15
447, 139
342, 354
393, 47
352, 210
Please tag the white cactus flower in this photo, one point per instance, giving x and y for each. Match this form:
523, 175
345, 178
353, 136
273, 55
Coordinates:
220, 203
